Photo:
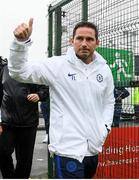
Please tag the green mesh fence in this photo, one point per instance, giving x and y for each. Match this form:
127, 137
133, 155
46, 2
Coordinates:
118, 24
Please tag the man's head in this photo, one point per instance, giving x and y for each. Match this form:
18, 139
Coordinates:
86, 24
85, 40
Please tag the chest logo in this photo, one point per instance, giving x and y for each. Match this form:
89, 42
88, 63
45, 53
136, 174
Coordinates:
99, 78
72, 75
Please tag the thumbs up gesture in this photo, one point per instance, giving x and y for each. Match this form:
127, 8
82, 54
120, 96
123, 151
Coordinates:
24, 31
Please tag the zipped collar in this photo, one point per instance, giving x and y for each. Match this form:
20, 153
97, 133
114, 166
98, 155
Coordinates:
72, 58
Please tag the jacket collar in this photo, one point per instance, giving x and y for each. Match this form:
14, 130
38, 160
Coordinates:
72, 58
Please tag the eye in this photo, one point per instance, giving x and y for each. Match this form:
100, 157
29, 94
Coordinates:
90, 39
79, 38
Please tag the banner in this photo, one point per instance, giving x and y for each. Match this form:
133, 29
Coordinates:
120, 156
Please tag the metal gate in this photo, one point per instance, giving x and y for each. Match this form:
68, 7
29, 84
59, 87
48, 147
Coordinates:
118, 23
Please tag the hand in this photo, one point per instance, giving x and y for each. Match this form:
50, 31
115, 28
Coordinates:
24, 31
33, 97
119, 98
1, 130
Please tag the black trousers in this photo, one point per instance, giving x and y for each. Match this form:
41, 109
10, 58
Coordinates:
69, 168
20, 140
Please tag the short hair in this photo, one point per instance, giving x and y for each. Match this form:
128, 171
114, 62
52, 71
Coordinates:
86, 24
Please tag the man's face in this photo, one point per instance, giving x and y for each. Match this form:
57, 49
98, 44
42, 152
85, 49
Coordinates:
85, 43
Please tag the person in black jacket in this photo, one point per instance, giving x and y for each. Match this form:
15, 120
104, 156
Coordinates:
45, 109
19, 121
119, 94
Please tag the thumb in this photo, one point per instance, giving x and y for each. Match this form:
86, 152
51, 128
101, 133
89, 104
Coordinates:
30, 23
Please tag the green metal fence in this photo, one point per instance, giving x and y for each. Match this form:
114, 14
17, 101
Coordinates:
118, 23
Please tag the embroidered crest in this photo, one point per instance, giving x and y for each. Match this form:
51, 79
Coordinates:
99, 78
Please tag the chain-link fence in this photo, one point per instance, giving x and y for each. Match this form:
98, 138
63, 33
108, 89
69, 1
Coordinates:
118, 24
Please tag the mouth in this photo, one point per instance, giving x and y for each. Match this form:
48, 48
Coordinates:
84, 50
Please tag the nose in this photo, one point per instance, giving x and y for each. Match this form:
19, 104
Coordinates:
84, 43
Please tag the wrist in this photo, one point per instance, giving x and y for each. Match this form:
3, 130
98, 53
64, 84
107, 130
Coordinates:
25, 42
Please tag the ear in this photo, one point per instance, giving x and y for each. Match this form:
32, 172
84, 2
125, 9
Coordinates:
97, 43
71, 41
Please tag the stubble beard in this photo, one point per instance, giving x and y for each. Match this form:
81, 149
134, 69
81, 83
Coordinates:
84, 57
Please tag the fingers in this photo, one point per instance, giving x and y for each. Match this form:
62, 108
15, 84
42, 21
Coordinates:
33, 97
23, 31
30, 23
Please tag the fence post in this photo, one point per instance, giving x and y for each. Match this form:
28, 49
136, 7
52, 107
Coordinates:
50, 32
84, 10
58, 31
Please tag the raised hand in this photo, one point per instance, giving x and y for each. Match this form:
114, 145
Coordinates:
24, 31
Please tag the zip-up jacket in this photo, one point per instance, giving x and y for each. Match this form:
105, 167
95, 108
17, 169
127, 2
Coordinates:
81, 98
16, 110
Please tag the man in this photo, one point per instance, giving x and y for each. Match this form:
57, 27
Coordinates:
81, 97
119, 94
19, 120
